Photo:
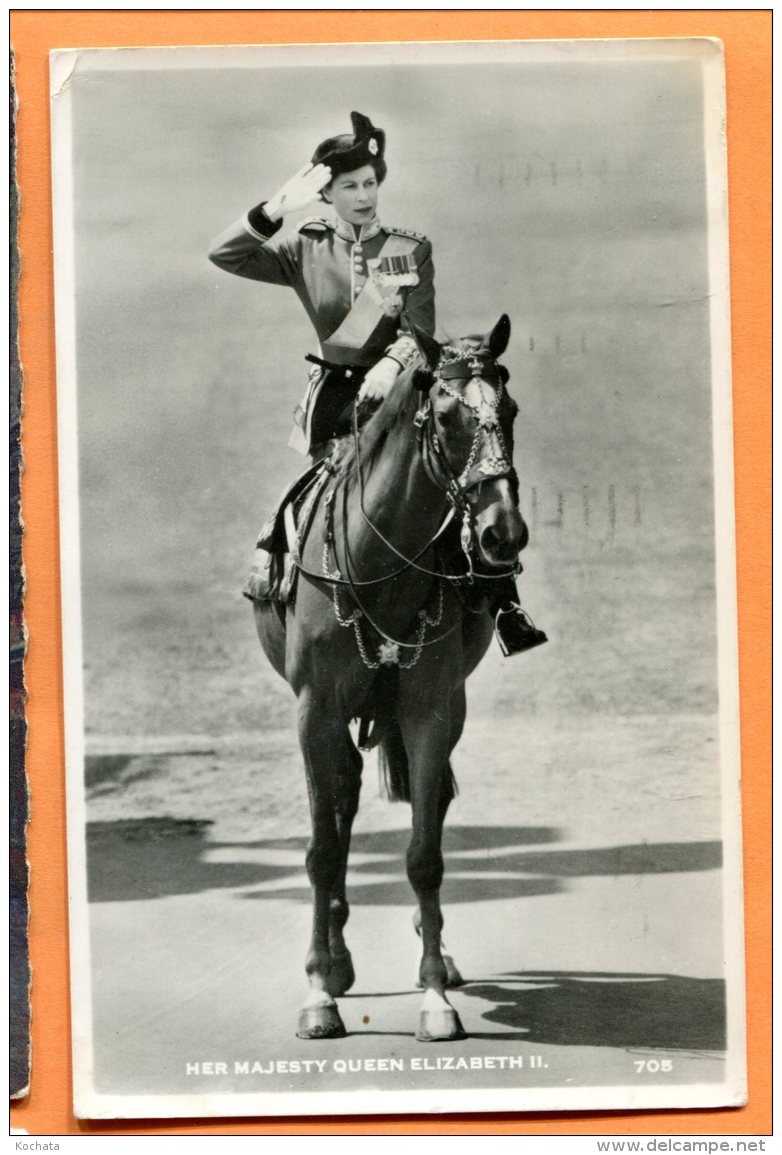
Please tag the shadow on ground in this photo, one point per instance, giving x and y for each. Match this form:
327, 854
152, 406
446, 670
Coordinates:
608, 1010
643, 858
398, 892
136, 859
143, 858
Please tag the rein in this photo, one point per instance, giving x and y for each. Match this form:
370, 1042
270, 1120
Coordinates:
389, 651
454, 488
336, 579
438, 470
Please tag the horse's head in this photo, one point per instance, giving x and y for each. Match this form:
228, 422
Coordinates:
467, 417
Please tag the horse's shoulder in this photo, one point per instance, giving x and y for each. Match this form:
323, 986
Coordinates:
397, 232
315, 225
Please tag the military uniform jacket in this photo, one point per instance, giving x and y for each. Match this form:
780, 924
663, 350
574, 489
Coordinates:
354, 282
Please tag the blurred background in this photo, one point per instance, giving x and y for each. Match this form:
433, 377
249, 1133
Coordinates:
570, 195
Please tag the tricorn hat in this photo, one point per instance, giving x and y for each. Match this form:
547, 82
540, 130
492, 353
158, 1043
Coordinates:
365, 145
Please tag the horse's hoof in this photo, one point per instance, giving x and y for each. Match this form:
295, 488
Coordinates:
341, 976
438, 1021
319, 1018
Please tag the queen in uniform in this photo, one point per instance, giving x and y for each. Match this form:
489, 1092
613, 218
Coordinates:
354, 276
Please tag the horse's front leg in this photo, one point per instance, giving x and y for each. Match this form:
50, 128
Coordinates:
458, 715
342, 976
322, 737
427, 733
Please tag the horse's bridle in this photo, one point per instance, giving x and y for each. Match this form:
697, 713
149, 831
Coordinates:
480, 367
456, 365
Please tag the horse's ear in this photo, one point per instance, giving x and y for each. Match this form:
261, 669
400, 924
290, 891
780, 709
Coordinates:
429, 349
497, 340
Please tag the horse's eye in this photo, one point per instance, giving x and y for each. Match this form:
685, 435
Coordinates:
446, 410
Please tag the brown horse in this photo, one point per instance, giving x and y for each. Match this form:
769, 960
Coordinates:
374, 608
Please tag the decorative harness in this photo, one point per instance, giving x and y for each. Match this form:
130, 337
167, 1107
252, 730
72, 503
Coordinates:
483, 370
455, 365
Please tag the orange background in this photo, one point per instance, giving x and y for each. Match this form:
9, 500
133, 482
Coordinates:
747, 41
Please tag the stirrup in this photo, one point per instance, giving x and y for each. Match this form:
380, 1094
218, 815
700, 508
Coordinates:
516, 631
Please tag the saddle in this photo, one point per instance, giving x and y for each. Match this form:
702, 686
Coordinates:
274, 570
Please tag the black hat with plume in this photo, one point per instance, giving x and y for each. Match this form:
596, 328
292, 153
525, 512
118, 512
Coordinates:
366, 145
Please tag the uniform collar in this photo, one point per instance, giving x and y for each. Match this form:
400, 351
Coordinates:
357, 233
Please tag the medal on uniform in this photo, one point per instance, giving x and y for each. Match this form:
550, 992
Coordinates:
390, 274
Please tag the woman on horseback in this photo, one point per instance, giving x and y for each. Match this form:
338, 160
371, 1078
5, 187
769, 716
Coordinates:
362, 284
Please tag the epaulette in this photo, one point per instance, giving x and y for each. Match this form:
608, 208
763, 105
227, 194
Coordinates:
404, 233
319, 224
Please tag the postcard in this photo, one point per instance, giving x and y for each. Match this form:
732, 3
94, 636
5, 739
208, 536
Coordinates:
488, 439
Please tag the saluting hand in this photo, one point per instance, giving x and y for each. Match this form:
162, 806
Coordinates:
299, 191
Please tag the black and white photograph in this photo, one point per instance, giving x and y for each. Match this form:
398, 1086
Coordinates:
398, 578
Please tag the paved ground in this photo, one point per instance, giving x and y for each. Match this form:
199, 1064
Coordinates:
571, 937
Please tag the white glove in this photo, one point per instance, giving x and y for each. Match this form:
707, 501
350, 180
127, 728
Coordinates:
299, 191
379, 379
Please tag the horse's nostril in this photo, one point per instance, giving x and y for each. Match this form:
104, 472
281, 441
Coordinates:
496, 547
489, 539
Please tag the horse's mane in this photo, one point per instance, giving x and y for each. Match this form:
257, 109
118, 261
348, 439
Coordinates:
399, 404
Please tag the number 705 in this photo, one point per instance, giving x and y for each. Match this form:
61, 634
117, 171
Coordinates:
652, 1066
